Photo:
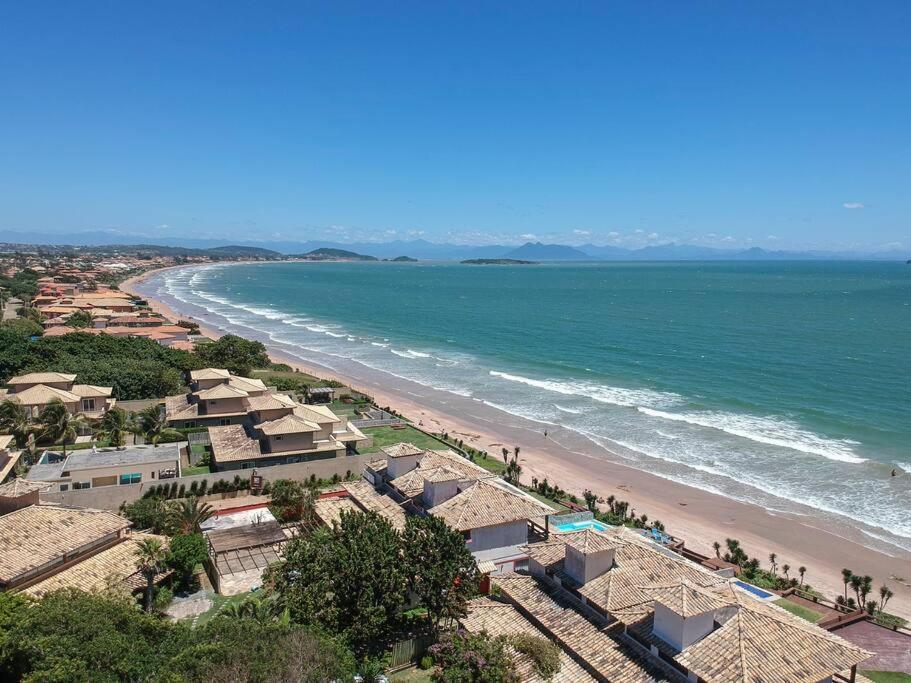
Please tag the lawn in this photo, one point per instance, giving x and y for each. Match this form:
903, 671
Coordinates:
799, 610
491, 464
887, 676
547, 501
411, 675
386, 436
199, 469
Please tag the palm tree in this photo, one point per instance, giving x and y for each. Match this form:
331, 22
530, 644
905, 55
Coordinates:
14, 419
150, 557
801, 570
772, 560
885, 594
114, 427
516, 450
785, 568
846, 575
505, 455
152, 422
187, 515
59, 423
866, 585
513, 471
717, 546
856, 584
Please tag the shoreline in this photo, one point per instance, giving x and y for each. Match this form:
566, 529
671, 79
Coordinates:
699, 517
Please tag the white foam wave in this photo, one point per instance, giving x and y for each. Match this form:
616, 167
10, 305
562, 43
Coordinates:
564, 409
768, 430
601, 393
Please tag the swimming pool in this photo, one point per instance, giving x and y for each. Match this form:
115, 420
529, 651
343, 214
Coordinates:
758, 592
582, 525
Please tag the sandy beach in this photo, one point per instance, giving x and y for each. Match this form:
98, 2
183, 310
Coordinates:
698, 516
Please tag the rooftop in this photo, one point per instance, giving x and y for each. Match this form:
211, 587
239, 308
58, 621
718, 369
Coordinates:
209, 373
20, 487
486, 504
37, 535
231, 443
288, 424
115, 565
41, 378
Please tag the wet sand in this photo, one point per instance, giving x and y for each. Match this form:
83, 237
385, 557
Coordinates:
576, 464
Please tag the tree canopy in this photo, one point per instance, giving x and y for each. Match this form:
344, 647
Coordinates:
74, 636
236, 354
349, 580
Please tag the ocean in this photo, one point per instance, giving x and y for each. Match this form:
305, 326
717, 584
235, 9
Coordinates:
785, 384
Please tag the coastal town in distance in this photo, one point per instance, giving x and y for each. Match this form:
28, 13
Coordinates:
161, 479
455, 342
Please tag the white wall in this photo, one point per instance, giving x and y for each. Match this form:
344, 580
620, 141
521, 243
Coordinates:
678, 632
500, 536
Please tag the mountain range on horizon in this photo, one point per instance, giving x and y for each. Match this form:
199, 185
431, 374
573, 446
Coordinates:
423, 249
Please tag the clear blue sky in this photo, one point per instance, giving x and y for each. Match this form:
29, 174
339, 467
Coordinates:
778, 124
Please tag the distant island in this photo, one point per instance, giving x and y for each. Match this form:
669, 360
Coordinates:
403, 259
498, 262
328, 254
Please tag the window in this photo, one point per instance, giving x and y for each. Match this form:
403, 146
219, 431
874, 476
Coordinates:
225, 421
190, 424
64, 487
279, 437
130, 478
77, 485
88, 404
247, 465
212, 403
467, 535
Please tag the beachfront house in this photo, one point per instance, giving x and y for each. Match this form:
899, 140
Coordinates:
91, 468
35, 390
494, 517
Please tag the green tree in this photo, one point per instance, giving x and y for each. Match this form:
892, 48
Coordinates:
350, 580
59, 424
463, 657
152, 422
590, 499
442, 571
80, 320
292, 500
148, 513
114, 426
14, 419
184, 553
15, 354
150, 558
846, 575
24, 326
74, 636
236, 354
187, 516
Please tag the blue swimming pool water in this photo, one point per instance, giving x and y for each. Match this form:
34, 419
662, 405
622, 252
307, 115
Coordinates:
584, 524
754, 590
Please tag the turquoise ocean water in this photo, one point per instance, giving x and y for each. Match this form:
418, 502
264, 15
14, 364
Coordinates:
784, 384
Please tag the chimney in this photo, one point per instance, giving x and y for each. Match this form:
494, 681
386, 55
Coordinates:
401, 458
439, 490
685, 614
588, 561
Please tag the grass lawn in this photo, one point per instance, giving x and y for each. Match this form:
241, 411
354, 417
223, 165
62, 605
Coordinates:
386, 436
199, 469
799, 610
547, 501
887, 676
303, 377
411, 675
491, 464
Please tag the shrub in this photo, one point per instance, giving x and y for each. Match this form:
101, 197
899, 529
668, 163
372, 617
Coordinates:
426, 662
544, 654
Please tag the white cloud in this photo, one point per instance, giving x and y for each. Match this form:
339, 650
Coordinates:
415, 233
773, 238
853, 205
582, 233
638, 231
613, 233
529, 236
653, 235
727, 238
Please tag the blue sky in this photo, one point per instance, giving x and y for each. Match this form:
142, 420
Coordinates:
724, 123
